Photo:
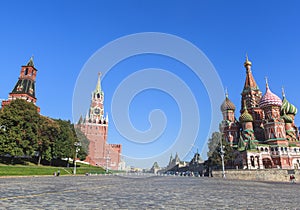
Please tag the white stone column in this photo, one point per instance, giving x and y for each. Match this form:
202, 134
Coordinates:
249, 161
261, 165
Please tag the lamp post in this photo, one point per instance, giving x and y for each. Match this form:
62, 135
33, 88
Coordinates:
77, 149
222, 152
107, 160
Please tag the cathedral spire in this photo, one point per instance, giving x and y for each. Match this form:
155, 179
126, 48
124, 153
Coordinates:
247, 62
250, 83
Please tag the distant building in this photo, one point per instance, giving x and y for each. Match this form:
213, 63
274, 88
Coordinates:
155, 168
196, 165
265, 136
175, 163
25, 86
95, 128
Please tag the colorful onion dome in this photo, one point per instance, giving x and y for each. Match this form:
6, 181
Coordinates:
287, 107
227, 104
245, 116
269, 99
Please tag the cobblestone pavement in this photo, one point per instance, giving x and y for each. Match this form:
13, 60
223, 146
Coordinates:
157, 192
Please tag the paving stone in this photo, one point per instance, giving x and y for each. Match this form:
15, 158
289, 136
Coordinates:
156, 192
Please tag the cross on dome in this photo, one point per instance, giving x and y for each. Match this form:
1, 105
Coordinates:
282, 91
267, 83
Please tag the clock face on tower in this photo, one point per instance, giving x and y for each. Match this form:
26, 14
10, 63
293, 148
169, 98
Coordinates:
97, 111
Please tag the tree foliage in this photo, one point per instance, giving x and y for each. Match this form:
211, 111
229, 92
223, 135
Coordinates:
214, 153
48, 132
84, 150
21, 121
26, 133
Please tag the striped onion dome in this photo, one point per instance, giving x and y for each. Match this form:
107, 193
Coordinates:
227, 104
246, 117
269, 99
287, 107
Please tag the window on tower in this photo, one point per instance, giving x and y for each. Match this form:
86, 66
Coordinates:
98, 95
26, 71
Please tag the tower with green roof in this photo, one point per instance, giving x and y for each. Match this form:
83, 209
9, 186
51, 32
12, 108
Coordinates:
25, 86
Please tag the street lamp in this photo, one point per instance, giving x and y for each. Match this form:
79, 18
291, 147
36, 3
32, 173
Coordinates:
222, 152
77, 149
107, 161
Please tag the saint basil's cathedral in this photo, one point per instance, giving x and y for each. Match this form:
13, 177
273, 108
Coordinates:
265, 136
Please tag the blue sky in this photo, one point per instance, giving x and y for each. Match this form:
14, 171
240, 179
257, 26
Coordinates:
64, 35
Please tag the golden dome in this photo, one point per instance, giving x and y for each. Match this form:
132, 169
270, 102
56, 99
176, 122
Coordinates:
247, 62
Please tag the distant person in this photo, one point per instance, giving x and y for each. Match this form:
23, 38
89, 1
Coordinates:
292, 178
58, 172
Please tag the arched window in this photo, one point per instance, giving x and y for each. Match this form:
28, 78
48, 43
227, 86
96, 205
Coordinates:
252, 161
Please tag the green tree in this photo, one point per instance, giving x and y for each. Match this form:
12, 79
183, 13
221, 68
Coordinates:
64, 144
214, 153
47, 134
213, 143
84, 149
20, 120
24, 132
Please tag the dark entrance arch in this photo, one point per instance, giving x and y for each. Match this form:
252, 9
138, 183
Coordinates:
267, 162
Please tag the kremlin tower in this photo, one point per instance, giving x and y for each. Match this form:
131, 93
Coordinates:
265, 135
95, 127
25, 87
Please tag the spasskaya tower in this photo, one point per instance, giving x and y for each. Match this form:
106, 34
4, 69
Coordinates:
95, 128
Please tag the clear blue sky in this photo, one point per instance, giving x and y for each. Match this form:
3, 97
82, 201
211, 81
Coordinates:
63, 35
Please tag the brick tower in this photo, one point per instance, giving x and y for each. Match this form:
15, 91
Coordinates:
251, 96
95, 128
229, 125
25, 87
